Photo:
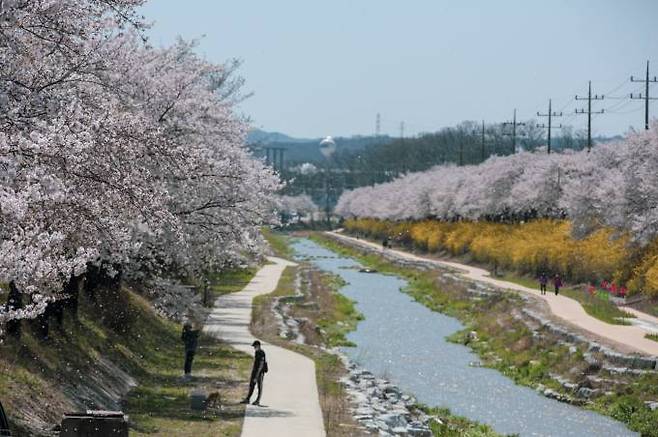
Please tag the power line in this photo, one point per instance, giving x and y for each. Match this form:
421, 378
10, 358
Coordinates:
514, 124
549, 127
589, 112
646, 97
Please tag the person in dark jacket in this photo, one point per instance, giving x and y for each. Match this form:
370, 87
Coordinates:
557, 282
190, 337
543, 281
257, 373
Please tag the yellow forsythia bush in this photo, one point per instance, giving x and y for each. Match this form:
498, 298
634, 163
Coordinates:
538, 245
644, 276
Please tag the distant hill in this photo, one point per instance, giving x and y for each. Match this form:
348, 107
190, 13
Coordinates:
264, 137
307, 149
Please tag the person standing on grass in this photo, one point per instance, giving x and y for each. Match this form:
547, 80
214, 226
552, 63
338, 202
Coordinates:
557, 282
543, 281
258, 371
190, 337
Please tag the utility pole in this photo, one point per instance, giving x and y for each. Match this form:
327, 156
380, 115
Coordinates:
514, 124
378, 125
483, 157
589, 112
550, 116
645, 97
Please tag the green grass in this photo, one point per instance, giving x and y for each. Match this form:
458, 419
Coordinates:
161, 404
278, 243
342, 318
603, 310
653, 337
455, 426
230, 281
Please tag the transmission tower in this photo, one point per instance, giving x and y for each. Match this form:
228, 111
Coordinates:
549, 127
589, 112
378, 125
514, 124
402, 130
645, 97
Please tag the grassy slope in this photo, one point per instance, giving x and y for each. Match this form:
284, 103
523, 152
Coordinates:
39, 377
160, 406
507, 344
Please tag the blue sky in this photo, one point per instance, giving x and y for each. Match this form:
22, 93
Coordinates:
327, 68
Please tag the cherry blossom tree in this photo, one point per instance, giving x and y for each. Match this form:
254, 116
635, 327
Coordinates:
615, 185
117, 154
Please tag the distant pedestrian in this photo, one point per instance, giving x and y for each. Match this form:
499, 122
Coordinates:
190, 337
543, 281
258, 372
557, 282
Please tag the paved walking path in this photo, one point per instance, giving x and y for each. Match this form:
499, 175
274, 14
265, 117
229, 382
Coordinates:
561, 306
291, 406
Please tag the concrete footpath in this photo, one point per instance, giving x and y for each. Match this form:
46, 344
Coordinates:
291, 406
567, 309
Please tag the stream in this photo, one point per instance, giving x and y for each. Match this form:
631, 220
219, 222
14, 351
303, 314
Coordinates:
404, 342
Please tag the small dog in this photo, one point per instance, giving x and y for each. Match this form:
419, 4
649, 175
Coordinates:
213, 400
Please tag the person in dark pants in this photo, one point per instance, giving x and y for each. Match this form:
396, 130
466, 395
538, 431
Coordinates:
543, 281
257, 373
190, 337
557, 282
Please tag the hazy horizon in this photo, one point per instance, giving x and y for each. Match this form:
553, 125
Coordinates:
328, 69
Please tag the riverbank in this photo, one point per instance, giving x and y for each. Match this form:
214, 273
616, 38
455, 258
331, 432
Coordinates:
307, 314
507, 339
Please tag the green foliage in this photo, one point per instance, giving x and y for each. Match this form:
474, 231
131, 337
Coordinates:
278, 242
342, 319
231, 281
653, 337
449, 425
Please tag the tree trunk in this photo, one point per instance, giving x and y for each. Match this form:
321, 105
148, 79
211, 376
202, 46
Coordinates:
14, 302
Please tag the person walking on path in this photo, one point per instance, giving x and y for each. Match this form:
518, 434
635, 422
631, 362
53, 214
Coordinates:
557, 282
258, 371
543, 281
190, 337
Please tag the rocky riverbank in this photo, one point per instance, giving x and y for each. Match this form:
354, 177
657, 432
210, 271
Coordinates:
381, 407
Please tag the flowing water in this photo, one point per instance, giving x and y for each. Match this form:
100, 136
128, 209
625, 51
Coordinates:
404, 342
